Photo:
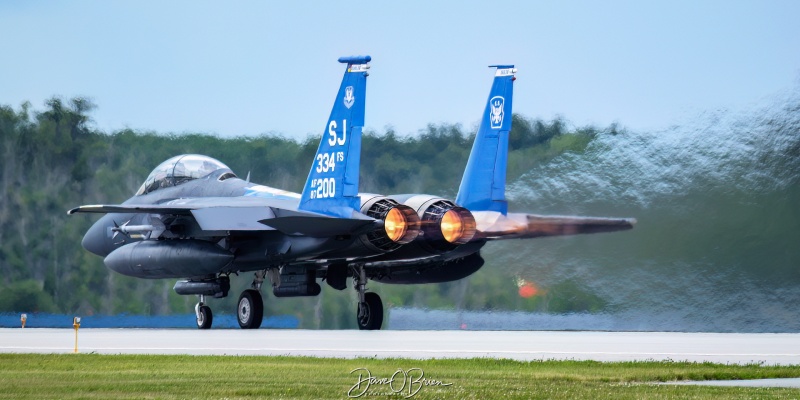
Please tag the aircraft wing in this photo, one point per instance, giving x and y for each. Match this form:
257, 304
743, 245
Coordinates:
130, 209
495, 226
245, 214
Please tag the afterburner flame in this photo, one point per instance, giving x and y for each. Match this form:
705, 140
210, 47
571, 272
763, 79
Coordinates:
452, 226
395, 225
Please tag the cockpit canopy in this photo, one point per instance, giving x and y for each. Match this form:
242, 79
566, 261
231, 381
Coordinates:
179, 169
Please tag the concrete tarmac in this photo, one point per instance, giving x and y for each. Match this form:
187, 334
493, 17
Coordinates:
780, 382
739, 348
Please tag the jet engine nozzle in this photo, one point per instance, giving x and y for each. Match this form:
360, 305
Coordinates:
458, 225
401, 224
444, 220
445, 225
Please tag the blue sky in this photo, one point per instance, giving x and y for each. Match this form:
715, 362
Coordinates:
251, 67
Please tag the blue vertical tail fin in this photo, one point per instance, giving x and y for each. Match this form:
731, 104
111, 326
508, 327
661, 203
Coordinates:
332, 184
483, 186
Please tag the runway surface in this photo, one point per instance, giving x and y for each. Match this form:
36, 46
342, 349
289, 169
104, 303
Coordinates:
780, 382
772, 349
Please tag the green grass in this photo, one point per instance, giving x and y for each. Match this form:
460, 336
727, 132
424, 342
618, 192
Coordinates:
92, 376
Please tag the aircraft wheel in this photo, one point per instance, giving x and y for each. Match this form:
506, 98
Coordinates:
250, 311
370, 312
204, 317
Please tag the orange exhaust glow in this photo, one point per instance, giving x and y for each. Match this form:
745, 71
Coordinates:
395, 225
452, 227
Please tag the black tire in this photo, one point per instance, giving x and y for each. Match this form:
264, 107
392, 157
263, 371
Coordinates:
204, 318
370, 312
250, 309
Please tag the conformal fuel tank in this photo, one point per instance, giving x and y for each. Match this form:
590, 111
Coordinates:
168, 259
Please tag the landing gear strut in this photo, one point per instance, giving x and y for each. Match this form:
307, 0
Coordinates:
203, 314
370, 306
250, 309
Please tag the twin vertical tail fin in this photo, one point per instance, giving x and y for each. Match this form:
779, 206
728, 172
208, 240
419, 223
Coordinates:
332, 184
483, 185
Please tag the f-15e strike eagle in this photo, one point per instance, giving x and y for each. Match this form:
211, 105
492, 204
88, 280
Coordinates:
194, 219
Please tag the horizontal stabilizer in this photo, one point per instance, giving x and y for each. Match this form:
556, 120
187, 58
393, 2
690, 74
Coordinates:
496, 226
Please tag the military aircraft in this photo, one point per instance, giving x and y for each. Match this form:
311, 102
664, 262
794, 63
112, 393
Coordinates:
194, 219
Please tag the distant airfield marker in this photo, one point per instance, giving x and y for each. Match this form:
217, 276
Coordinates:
76, 323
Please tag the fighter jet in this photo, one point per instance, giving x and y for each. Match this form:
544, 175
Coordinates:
195, 220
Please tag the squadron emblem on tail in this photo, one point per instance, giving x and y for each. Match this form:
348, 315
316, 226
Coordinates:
349, 99
496, 111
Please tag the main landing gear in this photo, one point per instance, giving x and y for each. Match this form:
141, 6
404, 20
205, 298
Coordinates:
249, 309
370, 306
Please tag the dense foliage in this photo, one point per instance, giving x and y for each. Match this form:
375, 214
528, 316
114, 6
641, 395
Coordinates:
53, 160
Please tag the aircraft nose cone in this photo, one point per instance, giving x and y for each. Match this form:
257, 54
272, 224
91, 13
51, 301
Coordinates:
95, 240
